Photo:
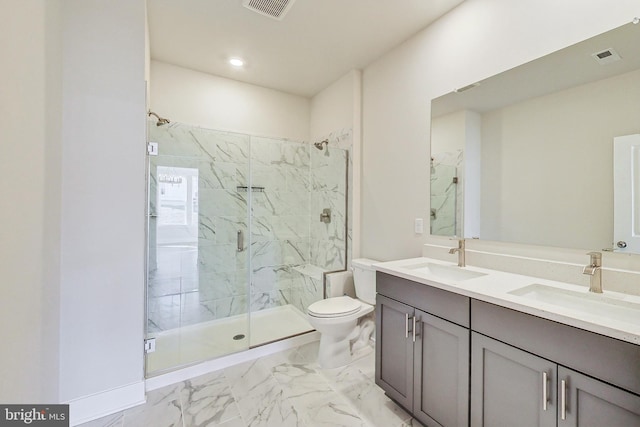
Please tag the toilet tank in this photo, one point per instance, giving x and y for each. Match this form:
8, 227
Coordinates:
364, 279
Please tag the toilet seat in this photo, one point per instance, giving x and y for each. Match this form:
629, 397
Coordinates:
334, 307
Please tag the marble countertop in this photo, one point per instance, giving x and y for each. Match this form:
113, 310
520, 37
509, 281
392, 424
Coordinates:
495, 287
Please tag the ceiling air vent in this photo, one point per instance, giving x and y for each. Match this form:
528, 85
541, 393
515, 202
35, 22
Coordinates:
465, 88
275, 9
606, 56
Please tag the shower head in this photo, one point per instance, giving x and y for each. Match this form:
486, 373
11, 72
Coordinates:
320, 145
161, 120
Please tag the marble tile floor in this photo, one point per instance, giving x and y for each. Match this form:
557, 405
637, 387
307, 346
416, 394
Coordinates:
279, 390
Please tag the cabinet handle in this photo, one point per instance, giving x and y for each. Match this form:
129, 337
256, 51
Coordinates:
414, 328
563, 400
545, 391
406, 325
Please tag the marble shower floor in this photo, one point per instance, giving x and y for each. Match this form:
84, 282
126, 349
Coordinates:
279, 390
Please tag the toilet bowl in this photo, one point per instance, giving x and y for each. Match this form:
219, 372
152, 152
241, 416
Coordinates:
337, 318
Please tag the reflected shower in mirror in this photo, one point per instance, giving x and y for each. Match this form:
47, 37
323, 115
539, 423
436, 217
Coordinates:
537, 146
444, 194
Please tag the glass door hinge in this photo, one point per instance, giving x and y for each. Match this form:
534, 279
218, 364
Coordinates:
149, 345
152, 148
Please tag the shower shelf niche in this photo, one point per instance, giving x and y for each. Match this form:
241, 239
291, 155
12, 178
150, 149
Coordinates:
244, 189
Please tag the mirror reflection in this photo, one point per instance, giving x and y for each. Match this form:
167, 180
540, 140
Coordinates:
532, 150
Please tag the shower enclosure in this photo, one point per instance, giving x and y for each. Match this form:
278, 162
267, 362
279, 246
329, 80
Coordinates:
240, 231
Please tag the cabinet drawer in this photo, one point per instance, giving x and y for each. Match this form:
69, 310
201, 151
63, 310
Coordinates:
608, 359
444, 304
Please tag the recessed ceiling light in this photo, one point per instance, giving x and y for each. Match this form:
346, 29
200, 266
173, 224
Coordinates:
236, 62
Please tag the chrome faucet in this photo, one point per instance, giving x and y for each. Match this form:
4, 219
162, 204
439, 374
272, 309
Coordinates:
594, 269
460, 251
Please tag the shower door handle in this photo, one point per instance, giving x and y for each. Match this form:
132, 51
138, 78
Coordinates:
240, 241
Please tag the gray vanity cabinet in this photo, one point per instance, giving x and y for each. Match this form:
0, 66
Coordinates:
422, 360
592, 403
394, 359
510, 387
506, 377
453, 361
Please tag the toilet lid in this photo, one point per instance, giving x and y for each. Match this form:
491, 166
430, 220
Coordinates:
334, 307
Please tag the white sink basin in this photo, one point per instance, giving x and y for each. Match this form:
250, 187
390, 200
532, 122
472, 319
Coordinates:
586, 302
444, 272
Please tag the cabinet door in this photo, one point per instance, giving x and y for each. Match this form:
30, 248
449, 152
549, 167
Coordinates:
510, 387
394, 350
592, 403
441, 372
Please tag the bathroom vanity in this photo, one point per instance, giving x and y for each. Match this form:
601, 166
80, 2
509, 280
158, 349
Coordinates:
476, 347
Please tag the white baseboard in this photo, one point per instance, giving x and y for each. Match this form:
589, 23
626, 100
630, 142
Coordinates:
99, 405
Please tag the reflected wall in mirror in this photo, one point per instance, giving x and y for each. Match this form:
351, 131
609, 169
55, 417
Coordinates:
537, 146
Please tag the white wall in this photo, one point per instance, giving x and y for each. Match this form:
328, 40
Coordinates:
103, 197
334, 107
478, 39
448, 132
472, 175
337, 107
200, 99
30, 213
72, 132
548, 164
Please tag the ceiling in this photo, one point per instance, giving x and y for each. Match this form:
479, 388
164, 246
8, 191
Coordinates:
316, 43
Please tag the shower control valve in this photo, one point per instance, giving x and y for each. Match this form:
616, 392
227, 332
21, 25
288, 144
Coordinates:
325, 216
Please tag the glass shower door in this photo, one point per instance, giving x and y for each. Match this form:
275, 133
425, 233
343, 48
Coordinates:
219, 279
197, 246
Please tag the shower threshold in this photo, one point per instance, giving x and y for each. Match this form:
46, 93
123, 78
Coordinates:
208, 340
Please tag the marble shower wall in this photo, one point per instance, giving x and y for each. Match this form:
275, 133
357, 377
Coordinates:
331, 181
290, 246
284, 183
280, 208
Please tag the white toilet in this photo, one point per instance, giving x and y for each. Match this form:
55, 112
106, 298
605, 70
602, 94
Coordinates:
337, 318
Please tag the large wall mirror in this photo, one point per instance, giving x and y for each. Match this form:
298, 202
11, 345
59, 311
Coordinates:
547, 153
